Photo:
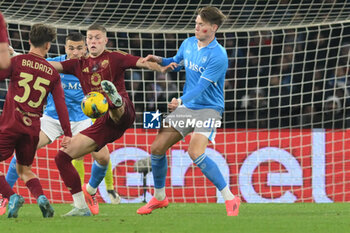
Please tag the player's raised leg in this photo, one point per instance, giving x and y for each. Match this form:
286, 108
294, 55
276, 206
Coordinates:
164, 140
112, 92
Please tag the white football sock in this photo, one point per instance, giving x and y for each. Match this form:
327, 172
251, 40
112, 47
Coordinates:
227, 194
159, 194
79, 200
90, 189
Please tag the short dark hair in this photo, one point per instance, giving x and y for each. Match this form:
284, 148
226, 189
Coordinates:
97, 27
75, 36
212, 15
41, 34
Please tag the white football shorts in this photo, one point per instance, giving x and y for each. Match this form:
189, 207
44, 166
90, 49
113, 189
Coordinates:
203, 121
52, 127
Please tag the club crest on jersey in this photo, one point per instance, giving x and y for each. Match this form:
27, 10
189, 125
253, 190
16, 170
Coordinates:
96, 79
204, 59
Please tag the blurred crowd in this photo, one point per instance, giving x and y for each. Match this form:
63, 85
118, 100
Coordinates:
277, 78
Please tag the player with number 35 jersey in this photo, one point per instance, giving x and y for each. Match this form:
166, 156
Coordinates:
32, 78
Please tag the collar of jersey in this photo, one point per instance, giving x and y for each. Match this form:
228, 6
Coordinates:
211, 45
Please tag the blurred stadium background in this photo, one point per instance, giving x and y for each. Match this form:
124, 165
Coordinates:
285, 131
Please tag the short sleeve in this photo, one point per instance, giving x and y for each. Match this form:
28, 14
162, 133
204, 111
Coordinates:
124, 59
216, 68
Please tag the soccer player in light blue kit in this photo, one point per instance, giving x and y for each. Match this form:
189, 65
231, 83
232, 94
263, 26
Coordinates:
205, 62
51, 128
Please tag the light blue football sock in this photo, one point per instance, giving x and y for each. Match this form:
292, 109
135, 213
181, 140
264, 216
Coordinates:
98, 172
12, 176
211, 171
159, 170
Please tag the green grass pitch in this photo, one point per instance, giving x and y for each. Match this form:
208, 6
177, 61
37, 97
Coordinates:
267, 218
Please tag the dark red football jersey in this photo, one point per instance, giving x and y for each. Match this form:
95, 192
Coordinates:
31, 80
108, 66
3, 30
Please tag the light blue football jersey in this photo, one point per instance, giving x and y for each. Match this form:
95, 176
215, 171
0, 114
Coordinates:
72, 93
210, 63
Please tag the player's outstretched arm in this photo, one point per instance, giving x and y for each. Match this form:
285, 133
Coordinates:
5, 60
5, 56
5, 73
57, 65
155, 66
152, 58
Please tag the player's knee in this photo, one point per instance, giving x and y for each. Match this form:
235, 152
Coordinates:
102, 161
62, 158
156, 149
25, 173
194, 153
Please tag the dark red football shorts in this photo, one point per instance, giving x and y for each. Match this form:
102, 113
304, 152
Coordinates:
104, 130
24, 144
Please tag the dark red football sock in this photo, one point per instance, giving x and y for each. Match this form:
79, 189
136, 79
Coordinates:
5, 188
68, 173
110, 104
35, 187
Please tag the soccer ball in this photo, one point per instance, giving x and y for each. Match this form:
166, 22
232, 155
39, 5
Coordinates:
94, 105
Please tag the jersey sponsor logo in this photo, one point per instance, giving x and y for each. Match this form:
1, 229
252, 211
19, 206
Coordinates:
37, 66
96, 79
192, 66
86, 70
71, 86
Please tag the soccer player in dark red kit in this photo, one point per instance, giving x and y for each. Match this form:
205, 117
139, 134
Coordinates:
32, 78
101, 71
4, 44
